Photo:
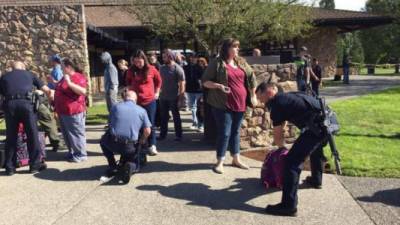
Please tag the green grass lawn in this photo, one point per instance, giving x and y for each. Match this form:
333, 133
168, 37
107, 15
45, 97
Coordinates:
96, 115
369, 140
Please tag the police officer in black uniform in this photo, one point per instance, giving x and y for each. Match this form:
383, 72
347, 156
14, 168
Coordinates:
16, 87
301, 110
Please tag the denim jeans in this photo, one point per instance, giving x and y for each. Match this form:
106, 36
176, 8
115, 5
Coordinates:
193, 100
228, 131
151, 110
165, 107
301, 85
346, 72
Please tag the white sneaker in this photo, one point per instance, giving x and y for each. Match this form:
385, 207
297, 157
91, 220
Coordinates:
201, 129
193, 127
153, 150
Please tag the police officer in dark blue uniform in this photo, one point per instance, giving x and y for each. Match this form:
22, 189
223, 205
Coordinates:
16, 87
301, 110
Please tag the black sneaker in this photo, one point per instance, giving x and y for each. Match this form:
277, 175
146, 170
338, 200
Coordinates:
280, 210
125, 173
111, 172
38, 168
10, 172
310, 182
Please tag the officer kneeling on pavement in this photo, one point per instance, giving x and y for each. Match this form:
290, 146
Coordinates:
126, 121
302, 111
16, 87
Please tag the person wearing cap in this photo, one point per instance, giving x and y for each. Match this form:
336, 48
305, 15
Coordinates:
56, 73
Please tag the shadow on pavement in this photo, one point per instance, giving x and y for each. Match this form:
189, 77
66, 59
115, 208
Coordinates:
387, 197
160, 166
234, 197
81, 174
60, 155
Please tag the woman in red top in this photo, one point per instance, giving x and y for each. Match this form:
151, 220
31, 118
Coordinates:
70, 105
145, 80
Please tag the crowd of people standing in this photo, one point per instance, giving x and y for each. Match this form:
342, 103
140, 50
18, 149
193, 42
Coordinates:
148, 87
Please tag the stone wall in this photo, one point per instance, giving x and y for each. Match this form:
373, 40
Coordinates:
322, 45
256, 128
33, 33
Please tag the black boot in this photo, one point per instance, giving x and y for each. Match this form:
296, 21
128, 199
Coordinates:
280, 210
125, 173
312, 183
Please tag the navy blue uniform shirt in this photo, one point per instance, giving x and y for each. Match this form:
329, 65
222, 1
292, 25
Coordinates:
291, 107
126, 120
19, 82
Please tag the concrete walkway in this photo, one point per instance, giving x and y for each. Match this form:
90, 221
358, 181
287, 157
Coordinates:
176, 187
359, 85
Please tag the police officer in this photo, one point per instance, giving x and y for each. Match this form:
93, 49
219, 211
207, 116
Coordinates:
16, 87
301, 110
125, 123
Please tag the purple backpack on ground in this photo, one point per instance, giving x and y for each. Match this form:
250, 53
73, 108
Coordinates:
22, 148
272, 169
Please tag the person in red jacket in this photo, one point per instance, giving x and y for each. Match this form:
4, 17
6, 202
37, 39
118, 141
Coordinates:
145, 80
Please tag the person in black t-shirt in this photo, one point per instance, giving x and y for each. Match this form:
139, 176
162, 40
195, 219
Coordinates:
317, 69
300, 110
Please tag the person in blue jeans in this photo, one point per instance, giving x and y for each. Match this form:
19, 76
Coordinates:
194, 91
173, 86
231, 88
346, 69
145, 80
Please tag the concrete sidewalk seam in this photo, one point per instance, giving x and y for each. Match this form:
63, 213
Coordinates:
362, 208
84, 196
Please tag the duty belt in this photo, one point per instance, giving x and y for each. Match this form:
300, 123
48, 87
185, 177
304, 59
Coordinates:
121, 140
27, 96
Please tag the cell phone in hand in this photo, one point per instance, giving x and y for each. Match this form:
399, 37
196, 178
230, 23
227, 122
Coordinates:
227, 90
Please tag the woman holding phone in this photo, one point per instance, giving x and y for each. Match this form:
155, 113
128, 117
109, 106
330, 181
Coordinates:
231, 83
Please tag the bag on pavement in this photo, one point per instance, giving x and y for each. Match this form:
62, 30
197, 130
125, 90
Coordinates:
22, 147
272, 169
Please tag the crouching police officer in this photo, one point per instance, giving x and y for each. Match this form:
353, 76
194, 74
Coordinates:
302, 111
126, 120
16, 87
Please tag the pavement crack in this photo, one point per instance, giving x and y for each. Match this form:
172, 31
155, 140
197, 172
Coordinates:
84, 196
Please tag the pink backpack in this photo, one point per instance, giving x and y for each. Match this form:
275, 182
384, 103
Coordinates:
272, 169
22, 147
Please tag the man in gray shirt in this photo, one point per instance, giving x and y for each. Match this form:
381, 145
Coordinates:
110, 80
173, 86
